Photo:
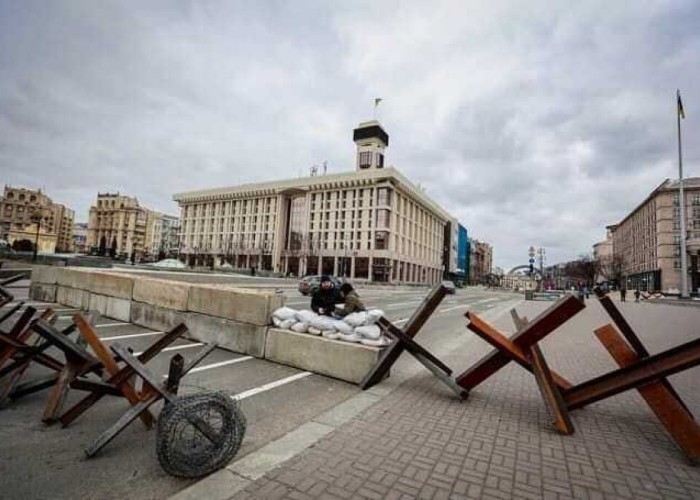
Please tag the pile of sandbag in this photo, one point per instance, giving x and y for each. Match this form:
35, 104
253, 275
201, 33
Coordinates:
355, 327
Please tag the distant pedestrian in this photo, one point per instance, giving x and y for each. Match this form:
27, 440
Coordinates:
252, 270
586, 291
637, 293
623, 294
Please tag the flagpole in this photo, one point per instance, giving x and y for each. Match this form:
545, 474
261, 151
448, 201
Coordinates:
681, 202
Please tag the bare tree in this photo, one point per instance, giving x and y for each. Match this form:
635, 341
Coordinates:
584, 268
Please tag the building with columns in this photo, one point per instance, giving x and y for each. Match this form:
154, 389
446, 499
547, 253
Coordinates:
647, 241
119, 222
369, 224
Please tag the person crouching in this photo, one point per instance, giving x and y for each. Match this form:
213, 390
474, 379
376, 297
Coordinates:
351, 299
325, 297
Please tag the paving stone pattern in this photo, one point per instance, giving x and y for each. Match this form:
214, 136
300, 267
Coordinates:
420, 442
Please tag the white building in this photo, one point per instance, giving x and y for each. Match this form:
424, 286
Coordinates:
370, 224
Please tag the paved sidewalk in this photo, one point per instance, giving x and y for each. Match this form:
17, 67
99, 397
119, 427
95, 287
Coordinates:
420, 442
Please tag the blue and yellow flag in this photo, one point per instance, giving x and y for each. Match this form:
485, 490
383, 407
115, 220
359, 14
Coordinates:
681, 112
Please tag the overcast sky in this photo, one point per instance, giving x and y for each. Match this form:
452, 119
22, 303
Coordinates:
532, 124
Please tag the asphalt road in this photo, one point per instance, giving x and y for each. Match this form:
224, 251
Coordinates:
39, 461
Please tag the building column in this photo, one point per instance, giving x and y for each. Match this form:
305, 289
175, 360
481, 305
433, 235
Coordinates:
369, 270
352, 267
247, 261
286, 265
335, 266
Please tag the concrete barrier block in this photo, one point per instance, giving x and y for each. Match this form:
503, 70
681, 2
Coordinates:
333, 358
72, 297
47, 275
161, 293
111, 307
244, 338
43, 292
111, 285
249, 306
74, 278
158, 318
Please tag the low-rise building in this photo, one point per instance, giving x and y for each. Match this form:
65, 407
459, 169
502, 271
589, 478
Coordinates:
370, 224
647, 240
21, 208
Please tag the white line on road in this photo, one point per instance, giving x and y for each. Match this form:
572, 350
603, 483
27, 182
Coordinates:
106, 325
219, 364
402, 303
453, 308
402, 320
131, 335
271, 385
175, 348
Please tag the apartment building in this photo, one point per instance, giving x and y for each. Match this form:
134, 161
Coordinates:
368, 224
21, 208
117, 224
480, 261
647, 241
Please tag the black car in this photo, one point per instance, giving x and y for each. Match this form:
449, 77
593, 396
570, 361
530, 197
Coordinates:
309, 284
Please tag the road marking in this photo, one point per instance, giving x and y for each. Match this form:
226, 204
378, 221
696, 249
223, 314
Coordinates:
106, 325
219, 364
402, 320
132, 335
271, 385
453, 308
402, 303
174, 348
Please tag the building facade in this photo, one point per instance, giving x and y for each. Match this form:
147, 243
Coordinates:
647, 241
170, 235
461, 272
371, 224
80, 230
117, 224
21, 208
480, 261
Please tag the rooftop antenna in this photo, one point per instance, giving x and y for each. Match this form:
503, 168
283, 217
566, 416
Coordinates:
325, 167
314, 170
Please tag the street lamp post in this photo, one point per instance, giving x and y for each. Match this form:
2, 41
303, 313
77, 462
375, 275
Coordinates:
36, 217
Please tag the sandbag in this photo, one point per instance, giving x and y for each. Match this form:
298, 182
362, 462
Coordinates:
314, 331
351, 337
287, 323
284, 313
356, 319
300, 327
276, 321
306, 316
342, 327
380, 342
373, 316
372, 332
323, 323
330, 334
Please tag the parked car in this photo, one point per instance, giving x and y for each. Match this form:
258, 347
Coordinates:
309, 284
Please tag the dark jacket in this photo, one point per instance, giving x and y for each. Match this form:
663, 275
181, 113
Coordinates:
352, 304
325, 299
